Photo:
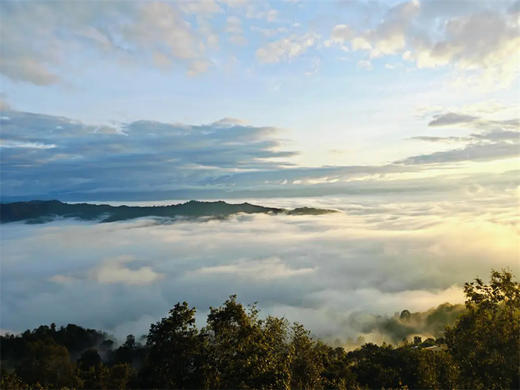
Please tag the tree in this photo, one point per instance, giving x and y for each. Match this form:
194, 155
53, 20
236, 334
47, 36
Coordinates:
48, 364
306, 365
436, 370
11, 381
234, 336
130, 352
89, 358
275, 355
119, 376
485, 342
175, 351
336, 372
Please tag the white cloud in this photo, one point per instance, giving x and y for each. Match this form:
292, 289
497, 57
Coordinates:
269, 32
63, 279
39, 40
234, 3
200, 7
114, 270
235, 30
287, 48
341, 33
386, 38
259, 10
479, 44
271, 15
485, 43
271, 268
24, 145
24, 68
161, 29
364, 64
382, 254
198, 66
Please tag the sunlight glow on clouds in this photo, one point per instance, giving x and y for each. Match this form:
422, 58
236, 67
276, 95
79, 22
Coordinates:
378, 256
69, 159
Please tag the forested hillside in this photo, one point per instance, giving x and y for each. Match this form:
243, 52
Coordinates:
41, 211
239, 350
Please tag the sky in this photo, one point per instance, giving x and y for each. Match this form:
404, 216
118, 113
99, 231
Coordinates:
140, 100
403, 116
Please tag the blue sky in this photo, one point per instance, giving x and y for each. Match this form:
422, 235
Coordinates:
343, 83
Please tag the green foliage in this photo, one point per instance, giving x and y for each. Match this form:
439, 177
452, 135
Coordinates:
12, 382
336, 373
384, 366
176, 351
276, 354
89, 358
306, 365
100, 376
48, 364
120, 376
485, 342
245, 352
436, 370
239, 350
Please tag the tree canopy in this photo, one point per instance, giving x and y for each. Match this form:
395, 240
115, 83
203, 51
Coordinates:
238, 349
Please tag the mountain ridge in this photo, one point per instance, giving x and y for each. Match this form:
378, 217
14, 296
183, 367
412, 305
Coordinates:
41, 211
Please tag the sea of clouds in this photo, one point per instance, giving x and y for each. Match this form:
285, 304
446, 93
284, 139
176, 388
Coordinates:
343, 275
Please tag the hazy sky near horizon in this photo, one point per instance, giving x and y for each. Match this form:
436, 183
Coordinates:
205, 98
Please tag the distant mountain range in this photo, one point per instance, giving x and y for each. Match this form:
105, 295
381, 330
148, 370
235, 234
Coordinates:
41, 211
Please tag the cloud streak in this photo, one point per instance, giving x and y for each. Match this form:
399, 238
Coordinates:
472, 152
451, 118
492, 139
46, 156
73, 156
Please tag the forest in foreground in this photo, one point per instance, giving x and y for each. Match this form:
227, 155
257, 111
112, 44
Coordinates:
239, 350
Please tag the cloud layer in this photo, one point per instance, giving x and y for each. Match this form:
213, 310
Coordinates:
379, 256
151, 33
59, 155
489, 139
475, 39
46, 156
42, 42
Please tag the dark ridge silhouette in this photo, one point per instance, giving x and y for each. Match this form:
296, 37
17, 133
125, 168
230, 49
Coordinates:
41, 211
